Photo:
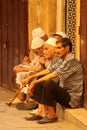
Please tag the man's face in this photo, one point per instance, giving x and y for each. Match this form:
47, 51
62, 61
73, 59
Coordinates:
38, 51
49, 51
62, 51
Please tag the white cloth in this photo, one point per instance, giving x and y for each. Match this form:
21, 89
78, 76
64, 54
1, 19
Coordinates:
25, 89
51, 41
61, 34
37, 43
20, 75
37, 32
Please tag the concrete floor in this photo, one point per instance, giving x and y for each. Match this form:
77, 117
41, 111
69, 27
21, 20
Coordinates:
13, 119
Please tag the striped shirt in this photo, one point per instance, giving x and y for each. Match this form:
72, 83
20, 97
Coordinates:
70, 77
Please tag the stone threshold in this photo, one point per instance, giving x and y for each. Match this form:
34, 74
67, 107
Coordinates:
77, 117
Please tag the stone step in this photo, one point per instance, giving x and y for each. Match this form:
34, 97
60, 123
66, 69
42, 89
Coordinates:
77, 116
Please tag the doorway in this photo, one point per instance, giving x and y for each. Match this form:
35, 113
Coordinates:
83, 42
13, 38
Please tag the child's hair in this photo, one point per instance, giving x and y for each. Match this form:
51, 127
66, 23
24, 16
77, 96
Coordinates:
26, 60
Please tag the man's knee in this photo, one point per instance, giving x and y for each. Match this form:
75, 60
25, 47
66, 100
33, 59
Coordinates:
49, 86
48, 82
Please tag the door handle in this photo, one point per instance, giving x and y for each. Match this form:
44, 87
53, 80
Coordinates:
6, 44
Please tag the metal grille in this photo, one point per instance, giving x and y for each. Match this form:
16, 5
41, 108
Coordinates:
70, 20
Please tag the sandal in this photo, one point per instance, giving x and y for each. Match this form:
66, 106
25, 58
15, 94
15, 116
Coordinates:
32, 118
47, 120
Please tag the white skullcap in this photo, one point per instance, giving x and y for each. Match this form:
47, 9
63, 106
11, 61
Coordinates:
61, 34
37, 43
37, 32
51, 41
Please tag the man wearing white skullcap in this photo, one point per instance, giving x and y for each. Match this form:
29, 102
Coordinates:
34, 66
58, 34
39, 36
62, 34
51, 41
38, 32
37, 43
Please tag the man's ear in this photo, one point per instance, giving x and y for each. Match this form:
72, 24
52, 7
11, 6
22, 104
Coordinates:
67, 48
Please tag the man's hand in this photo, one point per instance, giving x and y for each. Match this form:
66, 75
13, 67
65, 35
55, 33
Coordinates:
26, 81
31, 88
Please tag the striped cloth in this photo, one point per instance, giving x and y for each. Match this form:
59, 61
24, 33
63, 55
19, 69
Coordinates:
70, 77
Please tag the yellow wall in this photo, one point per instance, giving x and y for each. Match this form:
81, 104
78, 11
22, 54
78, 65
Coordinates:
77, 46
49, 15
42, 13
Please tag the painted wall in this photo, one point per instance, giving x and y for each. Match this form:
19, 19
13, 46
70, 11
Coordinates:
42, 13
50, 15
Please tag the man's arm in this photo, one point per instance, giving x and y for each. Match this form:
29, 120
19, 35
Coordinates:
36, 69
45, 78
41, 73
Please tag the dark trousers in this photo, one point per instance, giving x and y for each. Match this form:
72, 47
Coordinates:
48, 92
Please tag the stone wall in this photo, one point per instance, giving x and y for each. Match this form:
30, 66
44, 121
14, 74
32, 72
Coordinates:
42, 13
54, 15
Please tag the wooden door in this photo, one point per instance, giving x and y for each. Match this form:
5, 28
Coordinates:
83, 34
13, 38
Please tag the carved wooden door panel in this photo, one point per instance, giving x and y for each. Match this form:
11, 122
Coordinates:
13, 37
83, 34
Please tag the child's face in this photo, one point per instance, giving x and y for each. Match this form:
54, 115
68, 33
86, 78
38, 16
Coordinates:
26, 59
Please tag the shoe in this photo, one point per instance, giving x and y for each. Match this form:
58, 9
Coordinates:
26, 106
13, 103
33, 112
32, 118
47, 120
16, 100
